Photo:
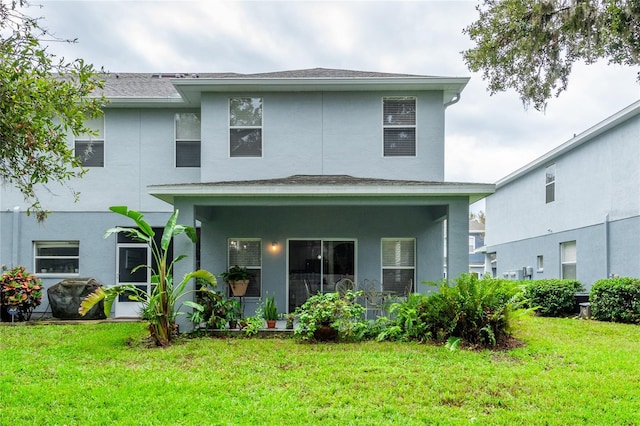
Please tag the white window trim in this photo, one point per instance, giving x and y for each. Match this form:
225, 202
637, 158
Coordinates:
92, 140
230, 127
415, 254
36, 257
563, 262
176, 141
414, 126
249, 268
547, 184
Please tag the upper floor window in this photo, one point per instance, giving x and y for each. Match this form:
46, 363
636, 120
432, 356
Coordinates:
550, 183
399, 126
245, 127
187, 139
56, 257
90, 148
472, 245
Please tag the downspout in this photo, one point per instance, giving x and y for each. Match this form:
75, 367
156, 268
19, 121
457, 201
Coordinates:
15, 241
452, 101
606, 245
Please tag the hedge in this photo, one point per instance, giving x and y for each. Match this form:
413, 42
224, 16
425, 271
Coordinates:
616, 299
552, 297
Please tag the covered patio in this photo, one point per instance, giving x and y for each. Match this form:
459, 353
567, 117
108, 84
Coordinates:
302, 234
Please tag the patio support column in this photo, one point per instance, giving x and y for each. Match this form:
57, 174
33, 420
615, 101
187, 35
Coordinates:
458, 238
183, 245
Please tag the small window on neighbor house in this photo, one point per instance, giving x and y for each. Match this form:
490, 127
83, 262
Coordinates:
247, 253
568, 257
399, 126
540, 263
56, 257
245, 127
90, 148
472, 245
187, 140
550, 183
398, 265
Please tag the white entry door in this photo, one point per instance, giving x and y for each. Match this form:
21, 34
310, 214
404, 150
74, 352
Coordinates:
131, 255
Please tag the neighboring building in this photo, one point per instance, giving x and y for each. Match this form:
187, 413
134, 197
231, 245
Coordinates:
575, 211
476, 247
300, 176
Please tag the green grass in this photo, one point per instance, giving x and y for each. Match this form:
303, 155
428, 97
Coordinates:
569, 372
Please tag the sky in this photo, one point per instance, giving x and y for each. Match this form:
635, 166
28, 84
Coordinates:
487, 137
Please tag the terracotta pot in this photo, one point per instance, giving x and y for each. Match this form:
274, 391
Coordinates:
271, 323
239, 288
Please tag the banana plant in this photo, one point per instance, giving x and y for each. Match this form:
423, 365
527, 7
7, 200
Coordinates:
159, 304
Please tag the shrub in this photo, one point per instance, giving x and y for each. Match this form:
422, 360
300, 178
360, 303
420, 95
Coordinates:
476, 310
343, 314
616, 299
21, 291
552, 297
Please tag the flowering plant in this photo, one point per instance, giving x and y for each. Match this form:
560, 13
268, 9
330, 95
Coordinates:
21, 291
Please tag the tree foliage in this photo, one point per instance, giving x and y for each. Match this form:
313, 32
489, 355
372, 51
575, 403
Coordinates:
42, 100
531, 45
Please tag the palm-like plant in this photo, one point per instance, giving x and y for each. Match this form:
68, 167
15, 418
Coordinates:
158, 305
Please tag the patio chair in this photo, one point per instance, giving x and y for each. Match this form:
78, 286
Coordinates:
345, 285
373, 297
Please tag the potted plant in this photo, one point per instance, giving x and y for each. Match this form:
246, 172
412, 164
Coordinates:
20, 294
270, 312
234, 312
329, 316
289, 318
238, 279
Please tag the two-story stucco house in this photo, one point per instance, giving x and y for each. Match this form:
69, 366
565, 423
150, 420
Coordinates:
575, 211
300, 176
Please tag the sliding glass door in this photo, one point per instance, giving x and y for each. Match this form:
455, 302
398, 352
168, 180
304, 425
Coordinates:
316, 265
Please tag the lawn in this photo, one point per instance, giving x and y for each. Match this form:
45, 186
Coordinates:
569, 372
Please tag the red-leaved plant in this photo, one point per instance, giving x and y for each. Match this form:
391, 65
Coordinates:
20, 292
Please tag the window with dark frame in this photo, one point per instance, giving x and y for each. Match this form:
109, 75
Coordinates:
399, 126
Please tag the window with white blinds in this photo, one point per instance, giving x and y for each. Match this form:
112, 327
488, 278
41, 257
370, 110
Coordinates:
90, 147
569, 260
247, 253
399, 126
245, 127
398, 265
187, 139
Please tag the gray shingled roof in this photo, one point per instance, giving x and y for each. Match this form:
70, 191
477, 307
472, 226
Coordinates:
306, 186
145, 85
324, 180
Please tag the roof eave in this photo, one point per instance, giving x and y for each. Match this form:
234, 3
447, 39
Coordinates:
190, 89
168, 193
589, 134
146, 102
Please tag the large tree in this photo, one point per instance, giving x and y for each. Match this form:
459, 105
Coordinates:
42, 100
531, 45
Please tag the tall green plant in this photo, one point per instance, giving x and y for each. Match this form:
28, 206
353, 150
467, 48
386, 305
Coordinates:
476, 310
158, 305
